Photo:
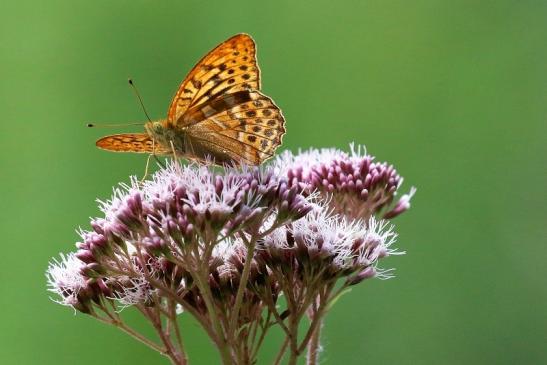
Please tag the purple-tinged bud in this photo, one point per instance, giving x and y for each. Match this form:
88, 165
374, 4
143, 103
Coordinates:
98, 244
134, 203
367, 273
237, 261
97, 225
219, 185
94, 292
179, 192
155, 245
128, 220
93, 270
172, 230
299, 241
115, 230
382, 252
84, 307
155, 228
82, 246
357, 244
303, 210
189, 230
253, 185
402, 205
105, 290
85, 256
187, 210
373, 240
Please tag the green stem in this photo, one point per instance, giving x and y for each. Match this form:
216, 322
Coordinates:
313, 346
293, 338
208, 299
320, 307
173, 296
131, 332
176, 329
242, 284
281, 352
153, 314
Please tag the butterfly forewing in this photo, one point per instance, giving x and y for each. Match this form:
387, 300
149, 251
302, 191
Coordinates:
229, 68
130, 142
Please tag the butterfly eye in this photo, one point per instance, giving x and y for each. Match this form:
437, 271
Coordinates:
158, 128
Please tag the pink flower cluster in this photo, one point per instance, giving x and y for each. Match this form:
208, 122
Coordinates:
242, 250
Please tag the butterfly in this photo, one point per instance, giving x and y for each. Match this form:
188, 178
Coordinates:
218, 113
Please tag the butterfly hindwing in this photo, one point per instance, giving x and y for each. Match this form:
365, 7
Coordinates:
130, 142
228, 68
247, 125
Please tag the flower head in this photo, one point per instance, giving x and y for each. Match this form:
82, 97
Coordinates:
66, 278
225, 245
354, 183
183, 211
327, 243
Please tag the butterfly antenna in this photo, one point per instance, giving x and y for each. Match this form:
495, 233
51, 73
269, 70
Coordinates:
93, 125
140, 99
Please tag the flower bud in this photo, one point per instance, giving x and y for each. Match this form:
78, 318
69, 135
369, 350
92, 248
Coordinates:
367, 273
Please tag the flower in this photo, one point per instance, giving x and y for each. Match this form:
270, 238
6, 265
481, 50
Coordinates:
326, 245
66, 278
402, 205
355, 185
225, 245
183, 211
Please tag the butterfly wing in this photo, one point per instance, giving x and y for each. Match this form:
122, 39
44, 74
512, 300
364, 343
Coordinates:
229, 68
245, 127
131, 142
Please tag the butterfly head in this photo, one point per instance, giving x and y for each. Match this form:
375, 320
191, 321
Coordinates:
163, 134
155, 129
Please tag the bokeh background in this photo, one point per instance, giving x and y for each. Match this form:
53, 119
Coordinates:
454, 93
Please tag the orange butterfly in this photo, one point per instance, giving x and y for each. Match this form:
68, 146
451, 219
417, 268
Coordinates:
218, 114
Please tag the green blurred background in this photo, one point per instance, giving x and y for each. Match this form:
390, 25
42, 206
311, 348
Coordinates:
454, 93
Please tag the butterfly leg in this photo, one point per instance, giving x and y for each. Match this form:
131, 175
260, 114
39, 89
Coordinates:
173, 150
153, 154
146, 168
188, 147
175, 160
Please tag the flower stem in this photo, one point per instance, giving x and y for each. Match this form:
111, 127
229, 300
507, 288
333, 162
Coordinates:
176, 329
173, 296
313, 345
131, 332
293, 336
317, 312
153, 314
242, 284
201, 280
